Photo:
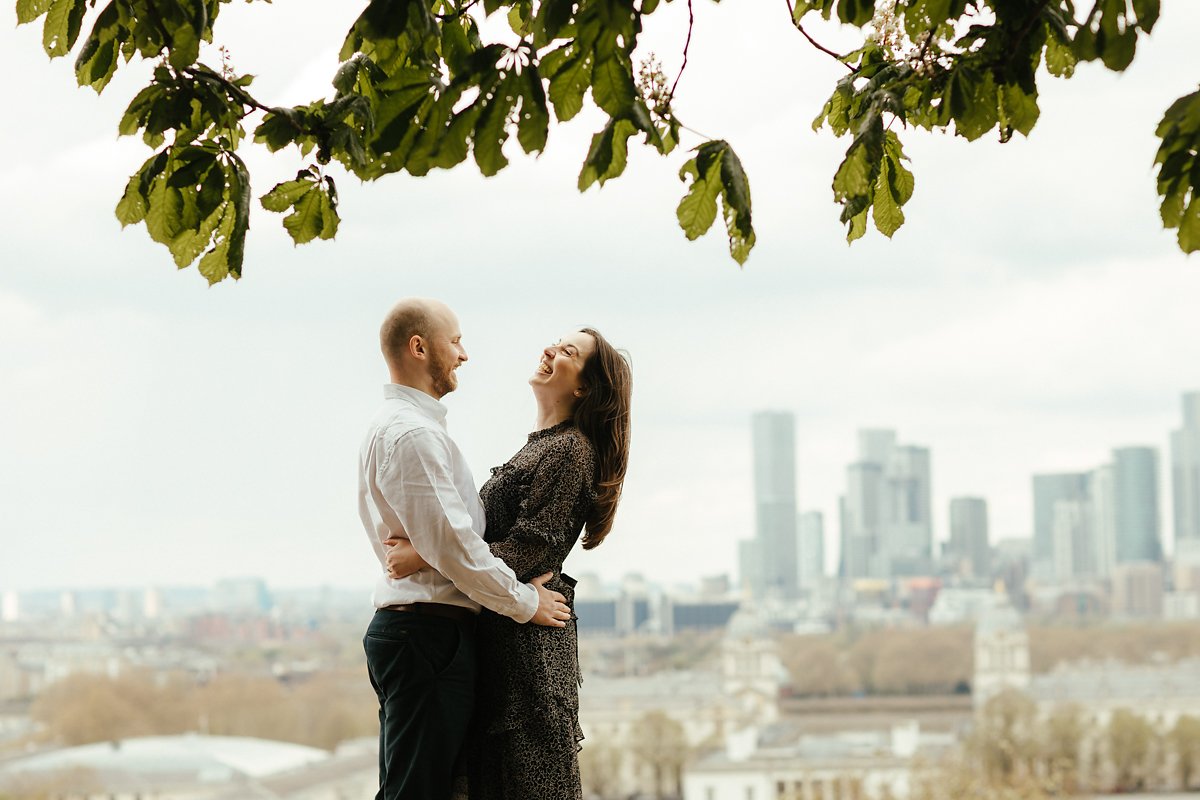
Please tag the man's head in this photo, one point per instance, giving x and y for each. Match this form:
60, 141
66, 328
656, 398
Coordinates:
422, 345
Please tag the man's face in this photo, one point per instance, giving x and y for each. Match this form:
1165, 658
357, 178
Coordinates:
446, 353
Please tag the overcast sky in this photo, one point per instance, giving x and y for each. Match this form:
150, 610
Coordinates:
1030, 316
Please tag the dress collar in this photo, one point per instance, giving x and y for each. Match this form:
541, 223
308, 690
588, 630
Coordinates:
553, 429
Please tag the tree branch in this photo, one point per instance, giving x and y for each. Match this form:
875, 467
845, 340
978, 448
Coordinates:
237, 92
457, 14
686, 45
792, 15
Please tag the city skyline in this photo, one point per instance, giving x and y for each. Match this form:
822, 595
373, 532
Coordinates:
158, 430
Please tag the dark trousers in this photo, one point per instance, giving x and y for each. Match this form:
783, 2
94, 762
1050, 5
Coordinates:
423, 671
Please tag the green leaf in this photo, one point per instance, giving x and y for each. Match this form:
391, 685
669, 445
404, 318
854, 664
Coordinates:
329, 215
453, 147
735, 201
491, 132
607, 154
698, 209
973, 102
853, 176
97, 59
239, 196
1060, 58
1017, 109
857, 226
568, 85
287, 194
886, 209
612, 85
131, 209
1189, 227
901, 178
306, 221
29, 10
63, 20
552, 16
533, 124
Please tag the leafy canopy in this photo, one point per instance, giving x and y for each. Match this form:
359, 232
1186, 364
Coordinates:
419, 88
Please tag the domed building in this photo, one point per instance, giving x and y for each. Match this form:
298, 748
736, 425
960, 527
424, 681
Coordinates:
751, 670
1001, 651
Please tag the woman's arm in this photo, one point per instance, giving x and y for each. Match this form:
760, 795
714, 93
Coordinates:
403, 559
546, 516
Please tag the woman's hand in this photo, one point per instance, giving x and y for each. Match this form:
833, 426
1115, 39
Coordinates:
402, 558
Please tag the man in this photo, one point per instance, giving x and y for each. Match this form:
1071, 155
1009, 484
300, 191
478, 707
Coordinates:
414, 484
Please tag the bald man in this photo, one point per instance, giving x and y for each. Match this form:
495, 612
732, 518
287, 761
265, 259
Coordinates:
414, 484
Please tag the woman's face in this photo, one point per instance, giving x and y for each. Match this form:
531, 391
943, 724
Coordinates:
561, 365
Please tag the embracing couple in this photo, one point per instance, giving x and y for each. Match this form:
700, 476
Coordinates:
472, 650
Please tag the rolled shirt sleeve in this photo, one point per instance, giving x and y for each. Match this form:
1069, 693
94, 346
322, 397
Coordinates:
417, 480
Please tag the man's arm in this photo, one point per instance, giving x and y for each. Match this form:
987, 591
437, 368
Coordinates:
417, 482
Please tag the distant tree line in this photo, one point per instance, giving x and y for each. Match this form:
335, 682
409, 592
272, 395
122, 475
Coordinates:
940, 660
320, 711
1072, 752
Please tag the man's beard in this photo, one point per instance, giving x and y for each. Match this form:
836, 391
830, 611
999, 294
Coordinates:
441, 372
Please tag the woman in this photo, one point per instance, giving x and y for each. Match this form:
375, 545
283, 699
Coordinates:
566, 479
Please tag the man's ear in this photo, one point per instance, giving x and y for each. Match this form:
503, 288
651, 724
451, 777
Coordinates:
416, 346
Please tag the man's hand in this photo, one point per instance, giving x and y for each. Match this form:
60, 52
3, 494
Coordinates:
553, 611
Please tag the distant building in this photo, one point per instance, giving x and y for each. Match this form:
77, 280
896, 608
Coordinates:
1074, 544
773, 555
1049, 490
811, 546
1103, 521
1135, 500
955, 606
1185, 471
241, 596
1138, 589
10, 607
784, 762
886, 513
195, 767
1001, 652
969, 548
708, 705
697, 614
604, 612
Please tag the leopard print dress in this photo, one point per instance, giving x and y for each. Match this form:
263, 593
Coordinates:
525, 735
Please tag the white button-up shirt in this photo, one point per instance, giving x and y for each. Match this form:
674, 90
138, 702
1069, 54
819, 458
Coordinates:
414, 484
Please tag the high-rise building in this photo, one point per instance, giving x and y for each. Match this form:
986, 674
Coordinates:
887, 520
862, 516
969, 546
1074, 547
774, 505
907, 541
1185, 471
1047, 491
811, 567
1135, 502
1103, 519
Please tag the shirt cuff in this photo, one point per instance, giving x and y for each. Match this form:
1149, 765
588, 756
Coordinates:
527, 604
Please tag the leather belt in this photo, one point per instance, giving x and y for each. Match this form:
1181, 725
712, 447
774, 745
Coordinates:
456, 613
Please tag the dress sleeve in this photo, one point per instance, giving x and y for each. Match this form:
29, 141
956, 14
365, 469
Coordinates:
547, 516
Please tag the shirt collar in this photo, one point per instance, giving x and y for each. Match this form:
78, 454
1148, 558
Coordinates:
425, 403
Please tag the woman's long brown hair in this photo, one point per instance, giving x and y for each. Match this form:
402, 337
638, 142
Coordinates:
602, 415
